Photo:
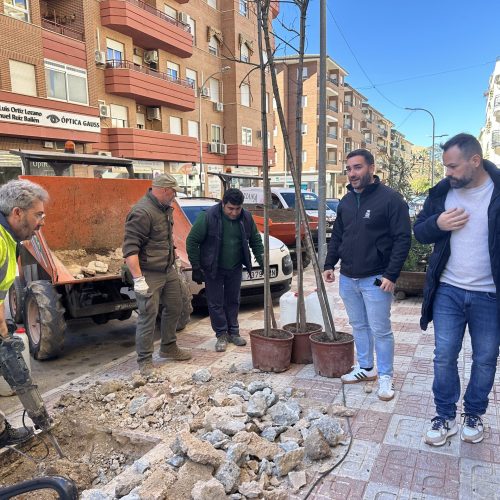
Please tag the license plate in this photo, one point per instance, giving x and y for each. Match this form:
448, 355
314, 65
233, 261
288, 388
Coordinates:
258, 274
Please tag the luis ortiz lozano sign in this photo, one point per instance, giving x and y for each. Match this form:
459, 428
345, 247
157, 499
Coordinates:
29, 115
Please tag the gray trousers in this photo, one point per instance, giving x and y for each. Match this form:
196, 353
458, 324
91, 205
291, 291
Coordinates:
164, 289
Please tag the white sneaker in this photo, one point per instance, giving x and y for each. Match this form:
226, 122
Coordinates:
385, 388
472, 428
441, 429
358, 374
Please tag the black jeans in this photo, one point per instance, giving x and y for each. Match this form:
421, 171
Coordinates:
223, 300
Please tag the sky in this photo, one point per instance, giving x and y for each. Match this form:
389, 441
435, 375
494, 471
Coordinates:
443, 50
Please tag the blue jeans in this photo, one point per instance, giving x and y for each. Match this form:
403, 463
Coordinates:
454, 308
369, 311
223, 300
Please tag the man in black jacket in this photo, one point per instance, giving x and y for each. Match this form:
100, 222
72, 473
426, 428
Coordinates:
372, 237
461, 217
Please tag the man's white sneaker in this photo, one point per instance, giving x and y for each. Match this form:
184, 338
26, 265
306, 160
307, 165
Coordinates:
385, 388
358, 374
472, 428
440, 430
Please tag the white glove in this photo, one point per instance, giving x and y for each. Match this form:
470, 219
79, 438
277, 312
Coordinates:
140, 285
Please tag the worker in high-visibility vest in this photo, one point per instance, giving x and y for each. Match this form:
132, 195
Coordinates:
21, 214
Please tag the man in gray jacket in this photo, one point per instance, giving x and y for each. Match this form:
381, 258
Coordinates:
148, 249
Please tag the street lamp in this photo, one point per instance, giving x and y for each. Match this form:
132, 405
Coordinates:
433, 138
200, 140
439, 137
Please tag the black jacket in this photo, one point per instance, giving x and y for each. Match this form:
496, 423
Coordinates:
372, 238
427, 231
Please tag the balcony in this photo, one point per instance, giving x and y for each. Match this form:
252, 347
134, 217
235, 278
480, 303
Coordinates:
63, 30
382, 149
148, 87
347, 126
365, 125
496, 107
332, 135
382, 132
347, 105
149, 28
495, 141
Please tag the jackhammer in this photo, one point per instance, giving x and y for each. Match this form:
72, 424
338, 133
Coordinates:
17, 375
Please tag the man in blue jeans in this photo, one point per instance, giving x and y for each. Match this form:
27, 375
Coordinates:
371, 237
460, 217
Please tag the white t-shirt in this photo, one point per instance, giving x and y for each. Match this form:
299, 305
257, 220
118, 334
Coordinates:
469, 265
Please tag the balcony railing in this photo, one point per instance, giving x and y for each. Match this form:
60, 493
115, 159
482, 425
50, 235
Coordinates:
382, 132
116, 64
347, 126
347, 104
331, 161
330, 107
332, 136
333, 80
161, 14
63, 30
495, 139
496, 102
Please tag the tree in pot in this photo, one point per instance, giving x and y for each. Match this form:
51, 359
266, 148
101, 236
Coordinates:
326, 363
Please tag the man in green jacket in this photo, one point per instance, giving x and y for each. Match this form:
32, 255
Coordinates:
218, 245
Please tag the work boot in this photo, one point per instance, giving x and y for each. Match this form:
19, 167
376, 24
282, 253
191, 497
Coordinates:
174, 353
236, 340
221, 344
12, 436
146, 368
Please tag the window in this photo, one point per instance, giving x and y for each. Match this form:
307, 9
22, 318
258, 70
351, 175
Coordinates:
275, 131
244, 7
267, 102
175, 125
245, 94
66, 83
18, 9
191, 77
304, 156
192, 24
119, 116
304, 129
246, 136
244, 54
140, 120
304, 101
22, 78
216, 133
274, 103
213, 46
171, 12
214, 90
193, 129
173, 70
212, 3
304, 72
137, 58
114, 50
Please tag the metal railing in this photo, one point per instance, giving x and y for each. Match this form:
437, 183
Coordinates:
332, 136
63, 30
160, 14
117, 64
332, 80
329, 107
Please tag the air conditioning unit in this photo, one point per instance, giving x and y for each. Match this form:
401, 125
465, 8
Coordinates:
183, 17
205, 92
218, 106
223, 149
153, 113
104, 111
104, 153
150, 56
213, 147
100, 57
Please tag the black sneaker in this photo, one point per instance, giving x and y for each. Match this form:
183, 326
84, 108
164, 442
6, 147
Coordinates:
472, 428
221, 344
12, 436
236, 340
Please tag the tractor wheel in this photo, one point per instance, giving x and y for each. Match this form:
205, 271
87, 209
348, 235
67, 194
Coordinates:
187, 307
16, 299
44, 320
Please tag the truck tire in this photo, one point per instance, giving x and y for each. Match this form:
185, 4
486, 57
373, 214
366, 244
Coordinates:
16, 299
44, 320
187, 307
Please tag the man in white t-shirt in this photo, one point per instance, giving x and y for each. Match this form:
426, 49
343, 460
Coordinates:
461, 217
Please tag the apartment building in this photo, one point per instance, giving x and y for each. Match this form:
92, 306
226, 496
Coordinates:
490, 133
287, 73
164, 82
400, 146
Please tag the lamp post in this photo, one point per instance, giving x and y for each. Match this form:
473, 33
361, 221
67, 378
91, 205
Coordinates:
433, 138
200, 139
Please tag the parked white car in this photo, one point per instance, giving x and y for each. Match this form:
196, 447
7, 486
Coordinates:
252, 287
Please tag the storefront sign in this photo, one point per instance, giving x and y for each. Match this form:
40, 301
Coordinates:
29, 115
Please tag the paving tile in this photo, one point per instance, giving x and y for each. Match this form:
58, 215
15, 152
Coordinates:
370, 425
356, 397
360, 460
415, 404
486, 451
425, 351
377, 491
421, 365
406, 338
336, 488
479, 480
417, 382
402, 349
402, 363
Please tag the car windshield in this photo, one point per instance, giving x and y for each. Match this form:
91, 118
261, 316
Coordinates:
310, 200
332, 204
193, 211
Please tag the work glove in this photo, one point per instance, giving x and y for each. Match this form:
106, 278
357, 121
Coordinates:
140, 286
197, 275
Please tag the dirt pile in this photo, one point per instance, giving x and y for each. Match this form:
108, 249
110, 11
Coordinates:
84, 263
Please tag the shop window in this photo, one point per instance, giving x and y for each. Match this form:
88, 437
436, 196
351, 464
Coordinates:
22, 78
66, 83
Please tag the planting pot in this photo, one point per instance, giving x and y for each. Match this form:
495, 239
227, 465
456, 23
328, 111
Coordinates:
301, 346
409, 283
332, 359
273, 353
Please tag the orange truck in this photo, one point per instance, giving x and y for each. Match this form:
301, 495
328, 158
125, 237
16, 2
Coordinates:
85, 216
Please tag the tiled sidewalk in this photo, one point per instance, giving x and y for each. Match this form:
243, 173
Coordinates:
388, 458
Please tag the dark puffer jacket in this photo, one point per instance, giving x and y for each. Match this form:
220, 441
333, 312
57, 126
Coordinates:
427, 231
